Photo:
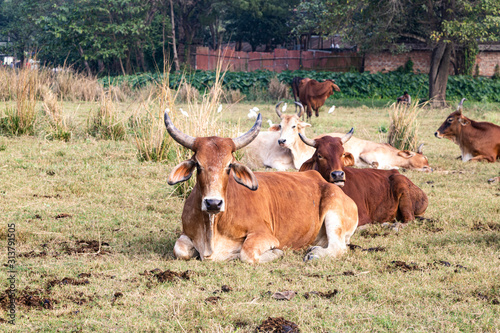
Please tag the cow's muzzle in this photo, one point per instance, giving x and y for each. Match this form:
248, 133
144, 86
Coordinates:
438, 135
213, 205
281, 142
337, 178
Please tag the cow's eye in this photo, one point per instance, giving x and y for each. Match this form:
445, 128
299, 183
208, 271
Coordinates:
450, 120
279, 126
319, 156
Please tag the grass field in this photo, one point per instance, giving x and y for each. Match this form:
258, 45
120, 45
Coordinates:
95, 229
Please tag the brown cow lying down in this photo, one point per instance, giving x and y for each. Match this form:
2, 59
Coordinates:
381, 195
235, 213
478, 141
384, 156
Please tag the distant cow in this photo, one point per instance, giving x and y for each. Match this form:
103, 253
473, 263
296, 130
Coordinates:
235, 213
381, 195
281, 148
478, 141
313, 94
384, 156
405, 99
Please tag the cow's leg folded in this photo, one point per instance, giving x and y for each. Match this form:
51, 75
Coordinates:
337, 237
184, 248
483, 158
260, 247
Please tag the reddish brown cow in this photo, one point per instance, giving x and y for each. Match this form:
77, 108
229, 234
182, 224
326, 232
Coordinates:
235, 213
381, 195
478, 141
313, 94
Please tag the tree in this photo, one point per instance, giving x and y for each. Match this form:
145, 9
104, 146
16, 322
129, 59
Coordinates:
102, 32
259, 22
443, 25
18, 23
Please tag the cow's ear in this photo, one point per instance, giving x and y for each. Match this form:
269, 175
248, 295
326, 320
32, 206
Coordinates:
181, 172
406, 153
304, 124
348, 159
244, 176
463, 121
275, 128
308, 165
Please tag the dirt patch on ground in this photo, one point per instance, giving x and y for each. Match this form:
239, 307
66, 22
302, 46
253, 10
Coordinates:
278, 325
328, 295
370, 249
167, 275
32, 299
66, 281
374, 231
33, 254
212, 300
398, 265
57, 196
487, 226
86, 246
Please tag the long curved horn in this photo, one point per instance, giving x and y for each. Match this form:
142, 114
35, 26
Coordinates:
420, 149
181, 138
346, 137
307, 141
460, 105
301, 111
248, 137
278, 112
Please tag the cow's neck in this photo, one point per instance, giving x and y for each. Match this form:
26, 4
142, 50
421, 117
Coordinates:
301, 153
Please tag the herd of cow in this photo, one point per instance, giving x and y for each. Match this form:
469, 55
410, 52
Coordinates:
233, 212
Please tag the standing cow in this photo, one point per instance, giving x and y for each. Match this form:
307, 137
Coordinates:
312, 93
381, 195
478, 141
235, 213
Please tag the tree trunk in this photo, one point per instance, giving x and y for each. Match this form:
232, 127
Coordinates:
174, 42
85, 62
438, 74
140, 56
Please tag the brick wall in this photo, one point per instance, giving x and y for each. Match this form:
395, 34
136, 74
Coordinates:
276, 61
487, 62
387, 62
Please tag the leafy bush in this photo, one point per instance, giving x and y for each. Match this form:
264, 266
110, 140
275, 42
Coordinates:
352, 85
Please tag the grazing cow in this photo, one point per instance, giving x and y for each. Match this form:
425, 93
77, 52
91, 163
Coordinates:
235, 213
381, 195
384, 156
405, 99
313, 94
478, 141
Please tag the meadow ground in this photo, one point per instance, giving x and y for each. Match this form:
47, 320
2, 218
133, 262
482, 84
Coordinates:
95, 229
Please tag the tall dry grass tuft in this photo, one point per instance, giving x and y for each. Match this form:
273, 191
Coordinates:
198, 117
278, 90
73, 86
186, 93
106, 123
20, 119
403, 131
59, 128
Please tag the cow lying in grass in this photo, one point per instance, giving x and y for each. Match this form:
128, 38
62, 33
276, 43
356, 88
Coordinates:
381, 195
235, 213
478, 141
384, 156
281, 148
